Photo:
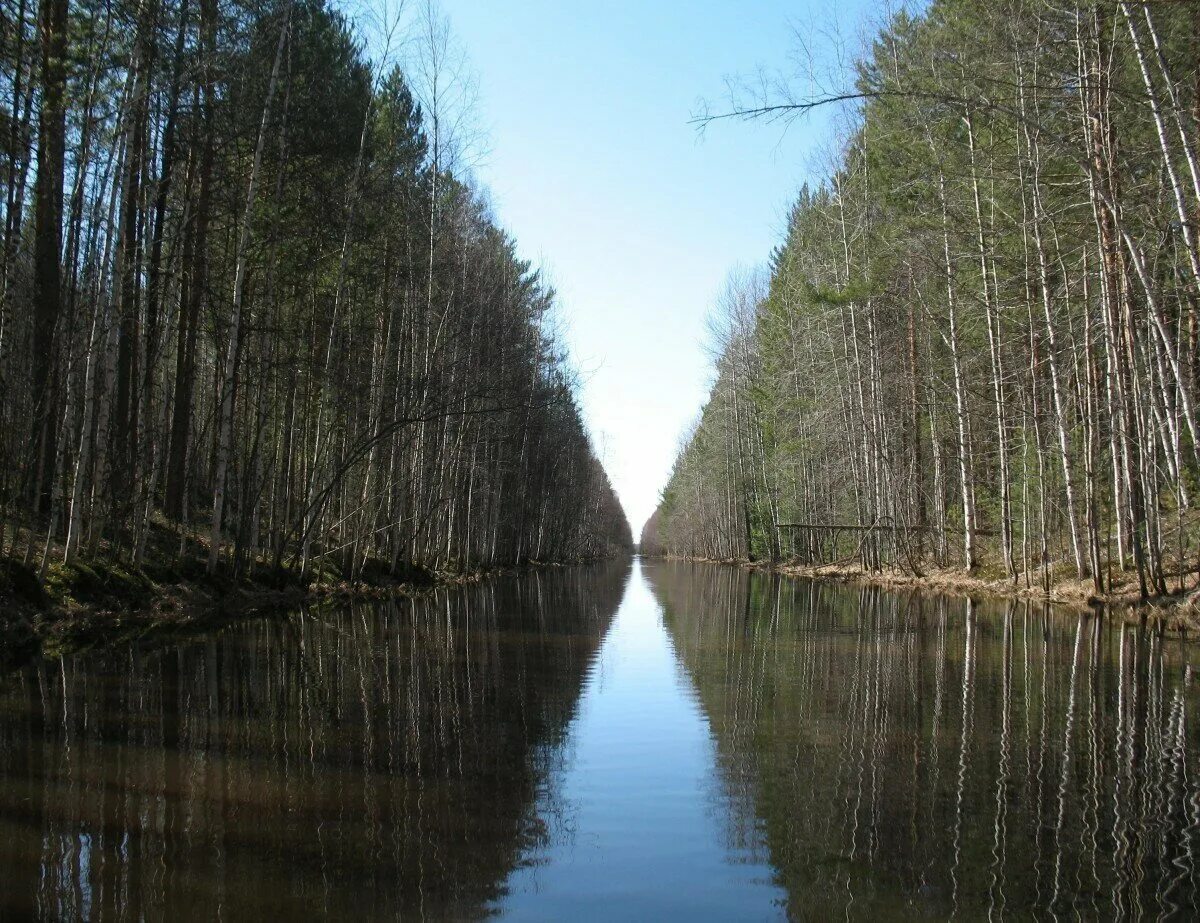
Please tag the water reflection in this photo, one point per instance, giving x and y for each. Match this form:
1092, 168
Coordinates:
359, 763
915, 757
638, 813
727, 746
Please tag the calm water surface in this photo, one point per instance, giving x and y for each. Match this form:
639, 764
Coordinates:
665, 741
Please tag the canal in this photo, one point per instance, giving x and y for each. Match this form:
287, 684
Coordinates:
636, 740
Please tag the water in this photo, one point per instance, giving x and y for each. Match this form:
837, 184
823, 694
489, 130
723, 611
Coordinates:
663, 742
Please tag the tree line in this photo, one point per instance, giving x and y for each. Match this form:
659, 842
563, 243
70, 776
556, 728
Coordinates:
979, 343
254, 312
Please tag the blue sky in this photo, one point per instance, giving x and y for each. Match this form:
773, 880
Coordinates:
636, 219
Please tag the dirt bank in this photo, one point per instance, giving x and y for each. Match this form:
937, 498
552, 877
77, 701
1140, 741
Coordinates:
1176, 611
83, 605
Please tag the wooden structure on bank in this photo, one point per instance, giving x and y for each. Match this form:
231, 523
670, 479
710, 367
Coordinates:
879, 544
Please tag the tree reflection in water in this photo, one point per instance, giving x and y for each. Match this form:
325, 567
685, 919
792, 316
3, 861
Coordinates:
909, 756
355, 763
889, 755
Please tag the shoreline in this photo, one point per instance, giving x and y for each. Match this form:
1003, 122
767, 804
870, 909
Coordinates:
33, 623
1176, 612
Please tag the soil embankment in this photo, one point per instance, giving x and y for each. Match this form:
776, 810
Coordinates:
80, 605
1177, 611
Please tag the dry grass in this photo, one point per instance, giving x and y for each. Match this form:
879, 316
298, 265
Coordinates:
1177, 611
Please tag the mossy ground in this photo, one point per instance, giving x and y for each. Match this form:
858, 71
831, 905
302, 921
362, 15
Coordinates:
106, 597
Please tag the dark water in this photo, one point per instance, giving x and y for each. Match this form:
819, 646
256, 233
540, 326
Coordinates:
662, 742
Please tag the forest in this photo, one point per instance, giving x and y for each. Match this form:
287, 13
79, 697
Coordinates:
977, 346
256, 314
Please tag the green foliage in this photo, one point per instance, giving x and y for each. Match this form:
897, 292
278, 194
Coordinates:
968, 302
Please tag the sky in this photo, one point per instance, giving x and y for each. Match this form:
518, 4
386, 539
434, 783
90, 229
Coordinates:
635, 217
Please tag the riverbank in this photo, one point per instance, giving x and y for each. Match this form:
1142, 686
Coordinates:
83, 605
1176, 611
